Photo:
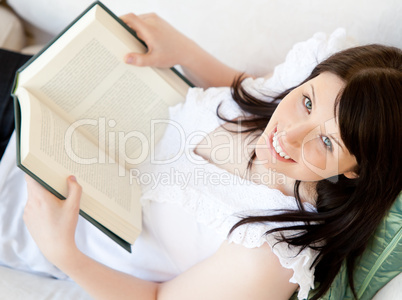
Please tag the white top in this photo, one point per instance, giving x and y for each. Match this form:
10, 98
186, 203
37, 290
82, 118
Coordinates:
211, 199
189, 205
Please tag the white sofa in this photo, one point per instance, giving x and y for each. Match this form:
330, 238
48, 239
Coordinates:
250, 35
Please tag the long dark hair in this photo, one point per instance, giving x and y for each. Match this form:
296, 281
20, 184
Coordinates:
348, 210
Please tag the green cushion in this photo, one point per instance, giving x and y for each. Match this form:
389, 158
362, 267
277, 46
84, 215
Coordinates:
380, 262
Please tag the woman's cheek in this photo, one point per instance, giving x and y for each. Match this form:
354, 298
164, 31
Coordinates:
314, 158
262, 151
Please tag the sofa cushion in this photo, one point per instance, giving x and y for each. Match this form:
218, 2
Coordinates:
380, 262
251, 35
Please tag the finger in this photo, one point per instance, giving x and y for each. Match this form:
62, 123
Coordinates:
136, 24
74, 191
133, 21
34, 187
147, 16
134, 17
139, 59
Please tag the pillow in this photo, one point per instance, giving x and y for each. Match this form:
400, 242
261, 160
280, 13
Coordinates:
299, 63
380, 262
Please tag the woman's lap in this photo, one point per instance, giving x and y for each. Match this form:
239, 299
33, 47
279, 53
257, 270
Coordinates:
10, 62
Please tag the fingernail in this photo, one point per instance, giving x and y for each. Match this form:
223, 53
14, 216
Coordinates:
72, 178
129, 60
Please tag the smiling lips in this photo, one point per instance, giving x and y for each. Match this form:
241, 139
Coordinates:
276, 148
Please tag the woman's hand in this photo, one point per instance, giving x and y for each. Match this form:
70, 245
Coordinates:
166, 46
51, 221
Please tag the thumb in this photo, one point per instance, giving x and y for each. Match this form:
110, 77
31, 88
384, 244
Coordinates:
74, 191
139, 59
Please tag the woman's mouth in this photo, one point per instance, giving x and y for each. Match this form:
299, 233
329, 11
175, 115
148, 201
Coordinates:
276, 149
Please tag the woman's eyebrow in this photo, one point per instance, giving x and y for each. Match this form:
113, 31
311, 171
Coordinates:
336, 141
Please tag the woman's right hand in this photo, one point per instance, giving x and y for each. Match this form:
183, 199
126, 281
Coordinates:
52, 222
166, 46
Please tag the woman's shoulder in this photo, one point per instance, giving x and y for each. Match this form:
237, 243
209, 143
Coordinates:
257, 272
243, 273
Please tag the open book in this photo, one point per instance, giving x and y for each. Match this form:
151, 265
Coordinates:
81, 110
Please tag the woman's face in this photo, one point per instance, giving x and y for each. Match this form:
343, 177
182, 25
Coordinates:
302, 139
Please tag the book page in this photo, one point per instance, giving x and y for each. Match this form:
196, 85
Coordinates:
126, 111
124, 36
88, 79
53, 150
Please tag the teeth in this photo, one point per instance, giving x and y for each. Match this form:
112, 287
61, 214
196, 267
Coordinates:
278, 148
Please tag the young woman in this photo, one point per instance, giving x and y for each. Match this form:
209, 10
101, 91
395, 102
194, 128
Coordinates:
331, 147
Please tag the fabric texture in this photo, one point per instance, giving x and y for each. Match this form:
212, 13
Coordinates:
17, 285
9, 64
267, 31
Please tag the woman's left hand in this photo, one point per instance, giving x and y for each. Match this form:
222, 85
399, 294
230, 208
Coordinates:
51, 221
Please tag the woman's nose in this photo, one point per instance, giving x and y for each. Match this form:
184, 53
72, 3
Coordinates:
298, 134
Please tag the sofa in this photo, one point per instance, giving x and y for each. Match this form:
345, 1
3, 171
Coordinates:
249, 35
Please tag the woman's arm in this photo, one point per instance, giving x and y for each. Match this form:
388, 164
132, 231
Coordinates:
168, 47
234, 272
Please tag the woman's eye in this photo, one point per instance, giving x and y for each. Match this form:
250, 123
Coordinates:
327, 142
308, 104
